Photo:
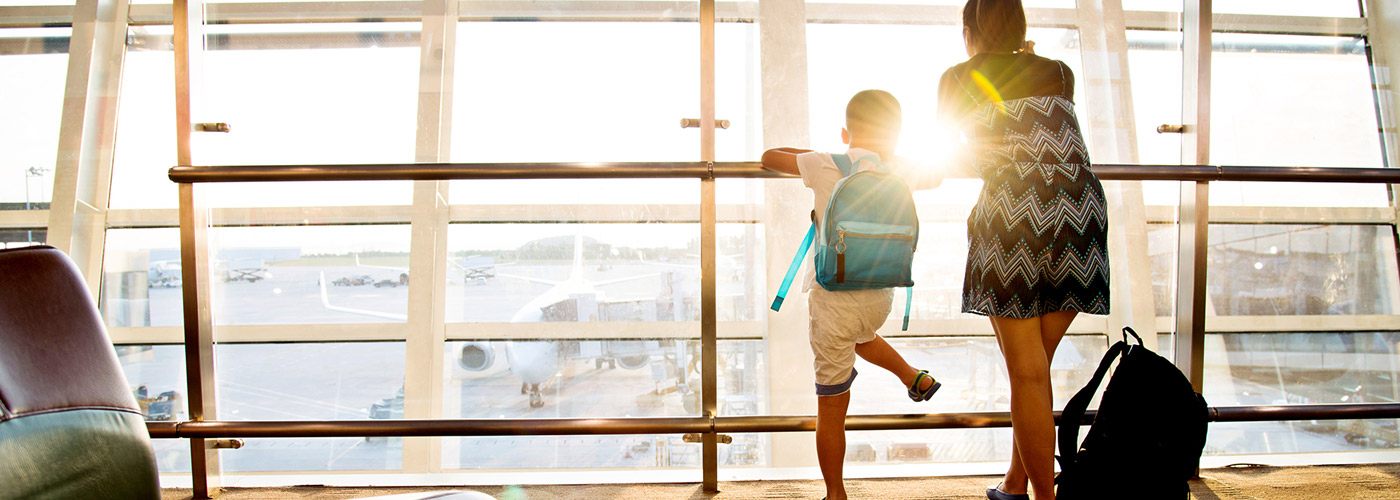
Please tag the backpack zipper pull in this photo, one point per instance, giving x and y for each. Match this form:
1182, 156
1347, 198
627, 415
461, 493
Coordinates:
841, 257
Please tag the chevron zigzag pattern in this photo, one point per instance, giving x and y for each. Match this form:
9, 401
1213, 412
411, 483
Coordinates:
1011, 209
1087, 267
1037, 239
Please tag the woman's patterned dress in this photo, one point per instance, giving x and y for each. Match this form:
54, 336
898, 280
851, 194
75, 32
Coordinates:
1037, 239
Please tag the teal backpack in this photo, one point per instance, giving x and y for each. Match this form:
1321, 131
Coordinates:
868, 234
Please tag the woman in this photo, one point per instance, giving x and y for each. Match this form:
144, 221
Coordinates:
1037, 245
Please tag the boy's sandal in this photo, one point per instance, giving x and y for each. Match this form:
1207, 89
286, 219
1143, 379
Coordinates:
917, 395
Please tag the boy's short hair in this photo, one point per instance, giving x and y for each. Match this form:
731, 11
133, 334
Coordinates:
874, 113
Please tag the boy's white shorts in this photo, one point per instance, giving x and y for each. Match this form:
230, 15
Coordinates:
839, 321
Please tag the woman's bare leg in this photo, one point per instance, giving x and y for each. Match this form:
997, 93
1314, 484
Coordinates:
1028, 345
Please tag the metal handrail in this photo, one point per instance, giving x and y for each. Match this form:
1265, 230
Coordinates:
703, 170
675, 425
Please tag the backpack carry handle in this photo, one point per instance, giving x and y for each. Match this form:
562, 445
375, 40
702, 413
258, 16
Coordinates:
1074, 409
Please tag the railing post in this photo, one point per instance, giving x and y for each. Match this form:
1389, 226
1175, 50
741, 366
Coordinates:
709, 442
194, 249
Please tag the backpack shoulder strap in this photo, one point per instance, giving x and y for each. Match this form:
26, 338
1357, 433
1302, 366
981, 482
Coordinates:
843, 162
1074, 410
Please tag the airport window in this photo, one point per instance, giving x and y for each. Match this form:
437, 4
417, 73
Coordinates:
311, 381
1283, 270
315, 273
310, 275
145, 146
1301, 368
156, 374
573, 378
1319, 8
22, 237
974, 368
567, 92
539, 273
33, 69
1264, 88
141, 280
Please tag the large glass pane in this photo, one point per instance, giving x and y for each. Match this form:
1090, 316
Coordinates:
22, 237
156, 374
263, 275
599, 97
1301, 368
343, 381
1280, 100
568, 92
292, 94
737, 93
33, 69
973, 368
310, 275
595, 378
529, 272
145, 142
141, 280
1318, 8
1283, 270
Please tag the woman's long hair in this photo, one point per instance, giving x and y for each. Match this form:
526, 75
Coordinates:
995, 25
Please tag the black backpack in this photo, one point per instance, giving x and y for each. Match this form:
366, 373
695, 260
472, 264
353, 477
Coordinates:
1146, 440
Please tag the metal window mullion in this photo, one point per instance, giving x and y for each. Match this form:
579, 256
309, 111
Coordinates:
426, 335
1194, 220
83, 167
1382, 46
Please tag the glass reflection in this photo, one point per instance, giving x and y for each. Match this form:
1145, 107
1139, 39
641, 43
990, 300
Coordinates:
1301, 368
33, 69
1300, 270
594, 378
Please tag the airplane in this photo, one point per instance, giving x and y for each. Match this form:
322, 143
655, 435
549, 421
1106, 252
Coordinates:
475, 269
535, 362
166, 273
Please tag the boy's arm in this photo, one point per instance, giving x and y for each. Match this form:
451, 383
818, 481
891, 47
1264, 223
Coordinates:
783, 160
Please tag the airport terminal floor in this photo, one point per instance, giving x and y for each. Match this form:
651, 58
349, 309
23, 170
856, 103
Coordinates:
1331, 482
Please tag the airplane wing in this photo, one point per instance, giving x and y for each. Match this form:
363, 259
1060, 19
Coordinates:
326, 303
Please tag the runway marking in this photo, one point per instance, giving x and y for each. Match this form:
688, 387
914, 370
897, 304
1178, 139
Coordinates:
283, 395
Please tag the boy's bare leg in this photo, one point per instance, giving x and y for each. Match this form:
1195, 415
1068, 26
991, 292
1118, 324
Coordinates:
882, 354
831, 442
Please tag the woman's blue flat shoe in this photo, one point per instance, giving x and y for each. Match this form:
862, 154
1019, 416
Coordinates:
995, 493
924, 395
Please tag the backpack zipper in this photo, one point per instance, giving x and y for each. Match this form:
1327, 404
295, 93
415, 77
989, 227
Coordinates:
841, 249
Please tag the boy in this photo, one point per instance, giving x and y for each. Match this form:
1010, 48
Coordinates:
843, 323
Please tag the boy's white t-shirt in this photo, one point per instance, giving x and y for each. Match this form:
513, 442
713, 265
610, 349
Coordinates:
820, 173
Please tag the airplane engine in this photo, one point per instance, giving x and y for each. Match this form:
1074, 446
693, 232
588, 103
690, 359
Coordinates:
632, 362
477, 356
